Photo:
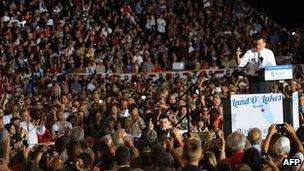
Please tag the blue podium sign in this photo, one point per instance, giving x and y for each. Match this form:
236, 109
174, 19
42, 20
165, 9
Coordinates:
279, 72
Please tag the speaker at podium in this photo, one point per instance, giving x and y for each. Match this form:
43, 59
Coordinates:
260, 81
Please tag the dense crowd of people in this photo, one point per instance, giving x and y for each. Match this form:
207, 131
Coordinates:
58, 113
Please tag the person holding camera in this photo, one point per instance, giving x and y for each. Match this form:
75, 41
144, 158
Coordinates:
255, 60
277, 144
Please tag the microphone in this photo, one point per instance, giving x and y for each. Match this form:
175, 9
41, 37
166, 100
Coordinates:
261, 59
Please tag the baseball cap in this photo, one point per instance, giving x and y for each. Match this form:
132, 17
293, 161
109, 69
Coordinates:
282, 145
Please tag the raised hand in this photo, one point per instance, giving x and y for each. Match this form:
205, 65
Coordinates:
128, 142
169, 144
238, 51
289, 129
150, 124
41, 122
176, 133
23, 133
269, 161
221, 134
272, 129
26, 151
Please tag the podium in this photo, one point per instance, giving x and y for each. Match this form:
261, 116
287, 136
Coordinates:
253, 107
257, 83
260, 81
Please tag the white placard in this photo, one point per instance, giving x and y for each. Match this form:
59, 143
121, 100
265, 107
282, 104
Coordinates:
256, 110
295, 110
178, 66
279, 72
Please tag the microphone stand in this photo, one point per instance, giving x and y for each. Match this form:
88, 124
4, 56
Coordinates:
188, 114
188, 111
188, 89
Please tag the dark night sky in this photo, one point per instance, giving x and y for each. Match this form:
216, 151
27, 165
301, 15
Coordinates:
286, 13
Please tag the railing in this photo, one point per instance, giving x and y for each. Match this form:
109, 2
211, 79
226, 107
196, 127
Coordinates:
167, 75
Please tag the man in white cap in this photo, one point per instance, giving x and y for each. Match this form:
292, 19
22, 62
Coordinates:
282, 145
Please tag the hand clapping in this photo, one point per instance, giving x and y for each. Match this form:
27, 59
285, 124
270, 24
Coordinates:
40, 122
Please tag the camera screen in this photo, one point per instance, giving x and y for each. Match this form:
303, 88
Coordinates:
280, 128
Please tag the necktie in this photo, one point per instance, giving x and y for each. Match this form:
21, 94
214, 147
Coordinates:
259, 60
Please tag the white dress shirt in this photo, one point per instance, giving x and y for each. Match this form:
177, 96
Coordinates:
257, 59
32, 130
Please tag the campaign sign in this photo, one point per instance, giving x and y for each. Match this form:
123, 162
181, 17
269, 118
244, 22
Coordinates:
279, 72
256, 110
295, 110
178, 66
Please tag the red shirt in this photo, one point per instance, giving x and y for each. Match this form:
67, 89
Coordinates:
235, 159
126, 9
217, 123
46, 137
77, 3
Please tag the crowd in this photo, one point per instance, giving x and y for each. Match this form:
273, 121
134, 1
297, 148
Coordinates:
58, 113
